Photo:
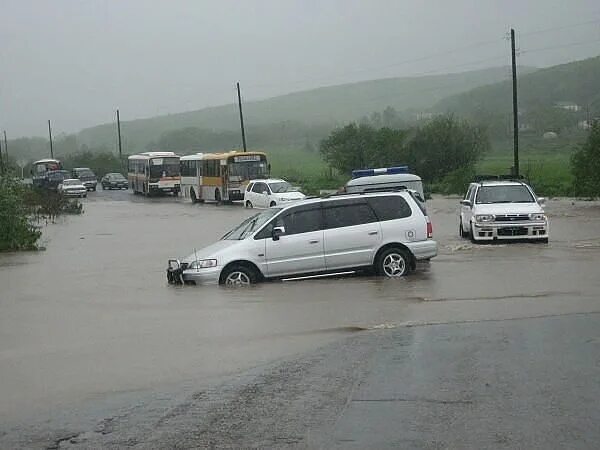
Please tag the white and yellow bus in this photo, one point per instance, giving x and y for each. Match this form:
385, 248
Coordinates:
154, 172
220, 177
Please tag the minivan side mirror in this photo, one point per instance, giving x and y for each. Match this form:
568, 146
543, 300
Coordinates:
541, 200
277, 231
466, 203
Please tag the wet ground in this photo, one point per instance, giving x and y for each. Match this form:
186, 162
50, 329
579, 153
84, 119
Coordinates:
96, 349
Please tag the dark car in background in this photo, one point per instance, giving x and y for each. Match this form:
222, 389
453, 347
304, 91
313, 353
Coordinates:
114, 181
86, 176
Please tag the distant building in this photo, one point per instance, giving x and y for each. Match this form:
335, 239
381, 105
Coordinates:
569, 106
425, 115
550, 135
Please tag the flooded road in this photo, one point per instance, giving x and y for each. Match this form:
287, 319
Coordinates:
90, 324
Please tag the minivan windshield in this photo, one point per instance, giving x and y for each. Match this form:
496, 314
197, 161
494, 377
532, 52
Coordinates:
504, 194
250, 225
280, 187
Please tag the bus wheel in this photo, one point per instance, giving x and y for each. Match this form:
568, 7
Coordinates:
217, 196
193, 195
249, 204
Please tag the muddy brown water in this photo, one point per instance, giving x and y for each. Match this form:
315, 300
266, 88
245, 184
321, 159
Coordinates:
92, 315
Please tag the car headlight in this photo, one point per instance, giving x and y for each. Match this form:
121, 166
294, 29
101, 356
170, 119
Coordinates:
537, 216
484, 217
203, 264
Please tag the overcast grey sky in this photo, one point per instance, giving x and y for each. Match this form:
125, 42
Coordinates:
75, 61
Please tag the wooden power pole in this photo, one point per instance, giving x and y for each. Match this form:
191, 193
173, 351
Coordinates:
119, 136
50, 135
515, 106
241, 116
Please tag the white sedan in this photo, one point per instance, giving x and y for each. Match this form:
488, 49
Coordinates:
270, 192
72, 187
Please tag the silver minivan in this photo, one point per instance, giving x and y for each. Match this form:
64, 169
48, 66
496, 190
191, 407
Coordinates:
387, 231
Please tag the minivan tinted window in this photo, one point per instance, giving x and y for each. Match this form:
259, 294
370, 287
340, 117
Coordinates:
347, 215
390, 207
300, 221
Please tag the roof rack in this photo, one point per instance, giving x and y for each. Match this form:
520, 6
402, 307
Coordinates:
368, 191
480, 178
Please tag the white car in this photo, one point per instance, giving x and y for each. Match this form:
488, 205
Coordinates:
72, 187
387, 232
493, 210
270, 192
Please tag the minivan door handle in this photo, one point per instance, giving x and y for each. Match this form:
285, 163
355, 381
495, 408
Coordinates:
313, 241
373, 233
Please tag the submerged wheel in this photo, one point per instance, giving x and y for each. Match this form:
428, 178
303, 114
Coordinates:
237, 275
272, 204
472, 234
461, 231
217, 196
393, 263
193, 195
249, 204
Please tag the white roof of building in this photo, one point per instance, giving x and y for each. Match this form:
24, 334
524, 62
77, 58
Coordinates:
47, 160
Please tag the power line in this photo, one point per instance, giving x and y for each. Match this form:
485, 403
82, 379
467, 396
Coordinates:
553, 47
562, 27
387, 66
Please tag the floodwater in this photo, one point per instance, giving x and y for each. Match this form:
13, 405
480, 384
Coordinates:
92, 318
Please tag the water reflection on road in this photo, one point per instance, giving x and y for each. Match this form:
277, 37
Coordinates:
93, 315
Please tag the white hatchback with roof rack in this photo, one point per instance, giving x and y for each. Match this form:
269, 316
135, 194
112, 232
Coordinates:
502, 209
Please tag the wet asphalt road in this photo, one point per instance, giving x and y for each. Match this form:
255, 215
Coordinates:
491, 346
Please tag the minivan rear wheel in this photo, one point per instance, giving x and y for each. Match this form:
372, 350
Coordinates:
393, 263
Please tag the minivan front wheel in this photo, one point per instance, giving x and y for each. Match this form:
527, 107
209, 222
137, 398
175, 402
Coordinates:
238, 276
393, 263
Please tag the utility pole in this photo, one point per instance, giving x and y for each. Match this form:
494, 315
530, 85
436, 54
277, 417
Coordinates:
2, 161
119, 134
5, 151
515, 107
241, 116
50, 134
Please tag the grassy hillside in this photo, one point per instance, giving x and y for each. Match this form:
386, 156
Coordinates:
539, 92
327, 105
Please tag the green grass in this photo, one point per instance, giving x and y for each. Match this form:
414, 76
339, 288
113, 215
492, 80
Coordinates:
305, 169
546, 163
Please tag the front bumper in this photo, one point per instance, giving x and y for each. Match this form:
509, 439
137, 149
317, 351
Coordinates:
489, 231
75, 193
160, 187
178, 273
89, 184
423, 250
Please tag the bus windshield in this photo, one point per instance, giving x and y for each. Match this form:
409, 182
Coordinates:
164, 167
248, 170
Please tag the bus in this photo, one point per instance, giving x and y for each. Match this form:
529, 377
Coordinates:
154, 172
40, 169
221, 177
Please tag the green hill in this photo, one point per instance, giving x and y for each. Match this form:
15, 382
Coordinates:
326, 105
543, 97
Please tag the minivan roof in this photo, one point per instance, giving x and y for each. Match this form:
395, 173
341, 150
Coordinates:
384, 178
334, 197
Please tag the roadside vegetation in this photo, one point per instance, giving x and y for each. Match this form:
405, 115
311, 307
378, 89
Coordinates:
586, 165
23, 209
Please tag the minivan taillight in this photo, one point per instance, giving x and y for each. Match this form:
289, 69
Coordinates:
429, 229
